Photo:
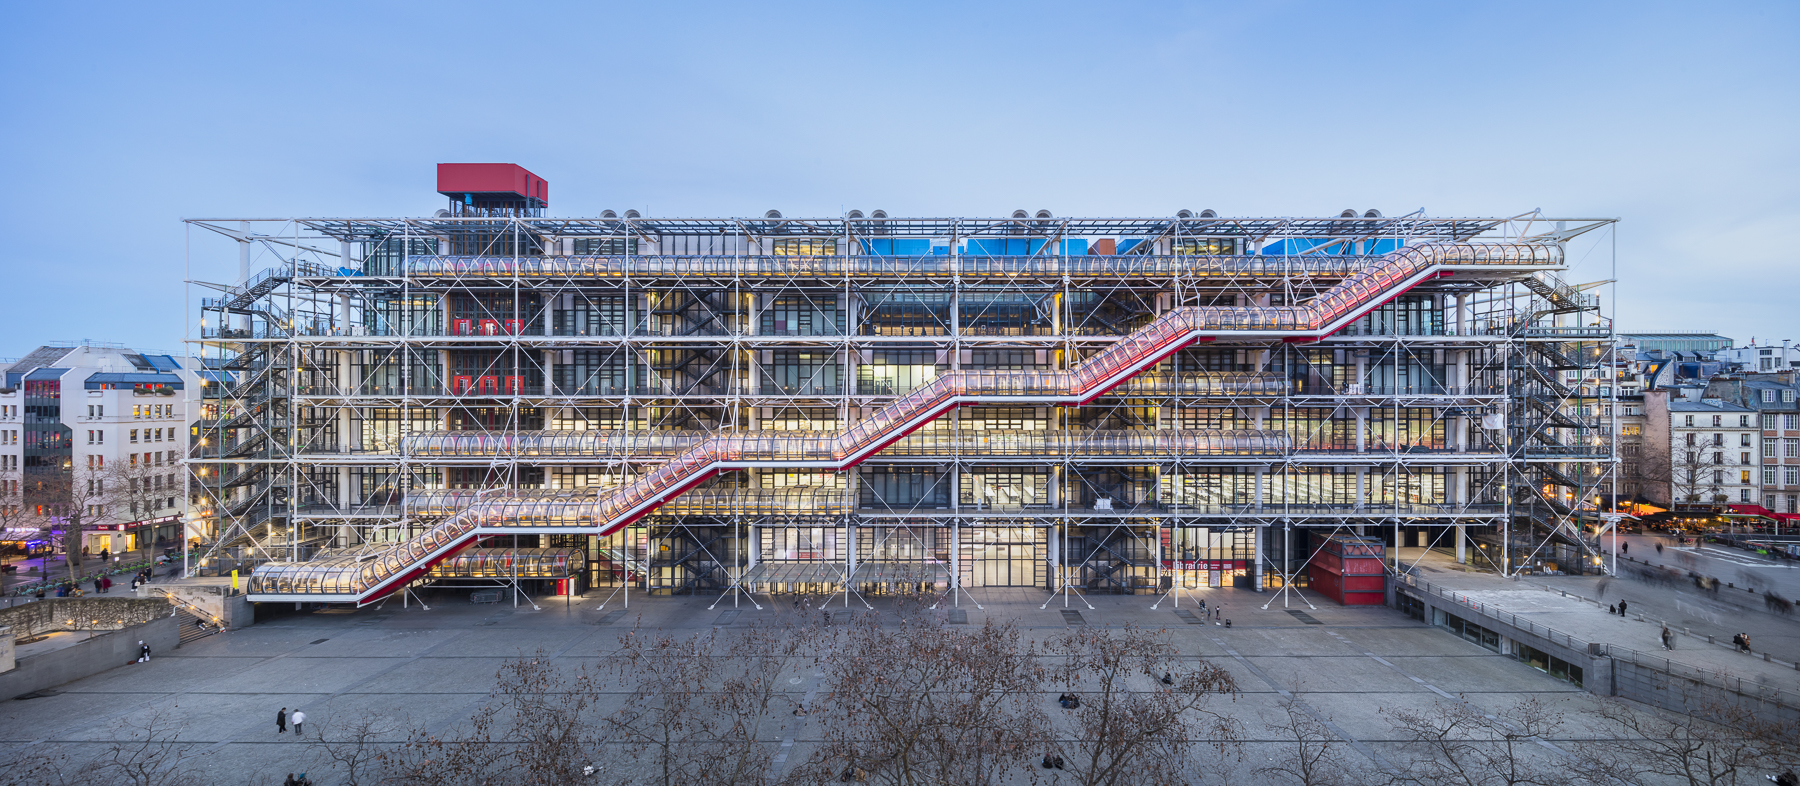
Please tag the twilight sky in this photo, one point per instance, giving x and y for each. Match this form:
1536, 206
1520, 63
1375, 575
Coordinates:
122, 119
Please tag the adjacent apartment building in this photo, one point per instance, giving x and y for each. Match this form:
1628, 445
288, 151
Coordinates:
1708, 448
93, 436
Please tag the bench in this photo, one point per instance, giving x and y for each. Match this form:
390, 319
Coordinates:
485, 596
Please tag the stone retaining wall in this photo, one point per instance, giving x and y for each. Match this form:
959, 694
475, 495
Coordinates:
57, 614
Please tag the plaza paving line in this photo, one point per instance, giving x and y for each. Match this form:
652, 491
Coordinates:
127, 711
463, 711
1359, 745
364, 681
1439, 691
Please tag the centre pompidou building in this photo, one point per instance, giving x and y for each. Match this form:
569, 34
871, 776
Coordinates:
871, 404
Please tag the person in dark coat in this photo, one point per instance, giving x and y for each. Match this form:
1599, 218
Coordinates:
281, 723
143, 652
1621, 608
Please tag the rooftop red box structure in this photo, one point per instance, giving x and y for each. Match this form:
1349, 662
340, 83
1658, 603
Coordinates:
1350, 570
496, 185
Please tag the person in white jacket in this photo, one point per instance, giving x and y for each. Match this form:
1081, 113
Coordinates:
298, 718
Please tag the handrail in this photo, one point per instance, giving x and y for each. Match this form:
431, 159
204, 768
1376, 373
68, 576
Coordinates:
1355, 294
190, 608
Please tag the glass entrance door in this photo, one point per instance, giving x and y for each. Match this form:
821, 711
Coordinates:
1003, 557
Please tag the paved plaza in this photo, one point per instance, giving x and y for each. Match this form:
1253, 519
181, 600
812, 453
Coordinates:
434, 667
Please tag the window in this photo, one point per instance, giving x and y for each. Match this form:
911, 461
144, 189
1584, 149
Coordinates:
137, 411
1743, 421
1689, 421
1743, 495
1718, 477
1632, 430
1768, 396
1769, 446
1718, 458
1744, 478
1718, 420
134, 436
1790, 448
1768, 476
1718, 439
1793, 422
1690, 438
1743, 458
1744, 440
1790, 476
1787, 396
1768, 422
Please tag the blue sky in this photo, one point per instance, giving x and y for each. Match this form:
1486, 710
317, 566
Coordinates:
122, 119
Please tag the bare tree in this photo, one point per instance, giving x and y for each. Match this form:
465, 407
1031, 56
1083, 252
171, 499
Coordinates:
38, 766
667, 678
1142, 711
355, 745
547, 712
149, 752
463, 756
79, 499
1455, 744
1316, 757
920, 702
1714, 744
1691, 471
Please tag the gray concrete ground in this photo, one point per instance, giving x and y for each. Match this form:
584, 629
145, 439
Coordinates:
434, 669
1693, 614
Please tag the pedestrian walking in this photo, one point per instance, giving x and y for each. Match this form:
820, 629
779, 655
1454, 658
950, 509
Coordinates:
281, 722
1746, 638
299, 718
97, 586
105, 554
143, 652
1659, 548
1668, 639
1621, 608
106, 584
1624, 548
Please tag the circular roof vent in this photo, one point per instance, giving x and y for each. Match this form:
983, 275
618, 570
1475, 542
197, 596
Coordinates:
772, 214
878, 214
1184, 213
1372, 213
1208, 213
1020, 214
608, 214
1347, 214
441, 214
856, 214
1044, 214
632, 214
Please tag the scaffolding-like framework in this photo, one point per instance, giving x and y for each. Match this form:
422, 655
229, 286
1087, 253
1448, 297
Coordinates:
382, 376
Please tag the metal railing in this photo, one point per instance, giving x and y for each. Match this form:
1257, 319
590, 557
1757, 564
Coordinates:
1713, 678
